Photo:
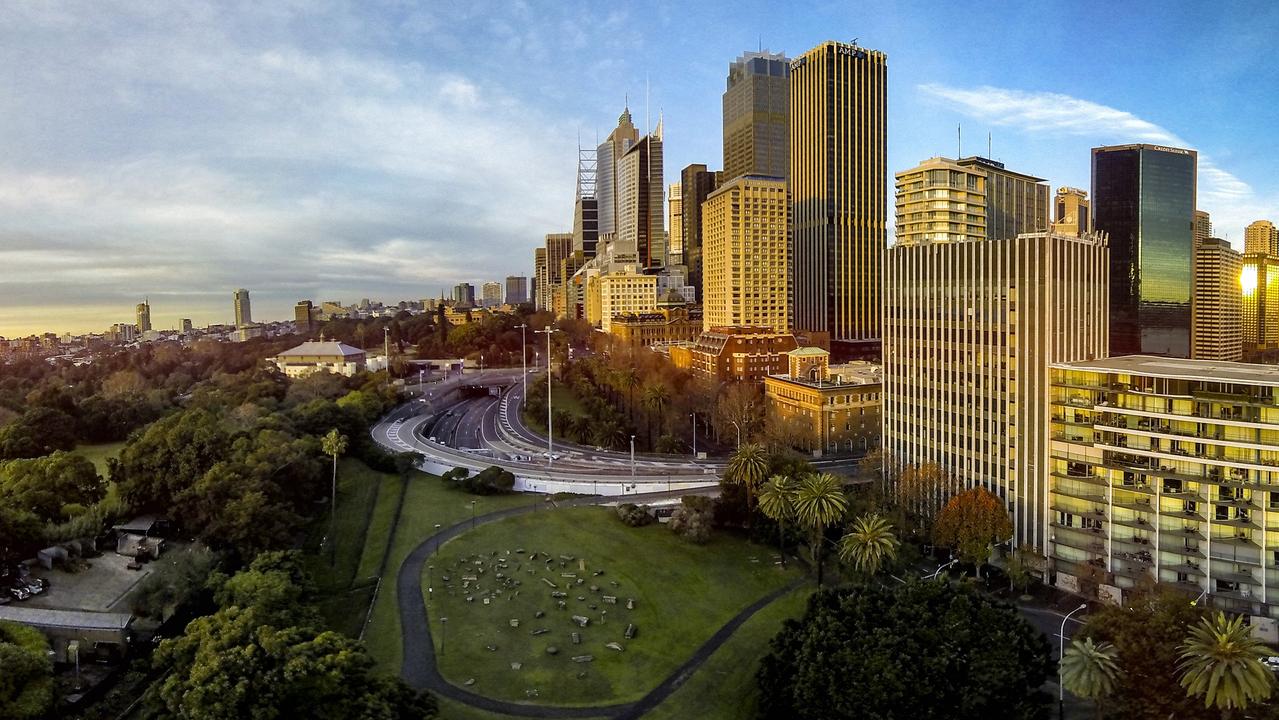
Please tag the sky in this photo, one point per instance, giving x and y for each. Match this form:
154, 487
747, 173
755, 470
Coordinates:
326, 150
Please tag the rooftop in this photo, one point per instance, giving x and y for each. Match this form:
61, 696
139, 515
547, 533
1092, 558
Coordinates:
1182, 369
45, 617
327, 348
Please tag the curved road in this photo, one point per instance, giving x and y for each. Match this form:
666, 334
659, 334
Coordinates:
420, 670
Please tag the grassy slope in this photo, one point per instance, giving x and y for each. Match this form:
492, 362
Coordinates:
99, 454
683, 592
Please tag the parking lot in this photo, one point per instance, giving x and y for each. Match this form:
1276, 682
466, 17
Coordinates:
101, 587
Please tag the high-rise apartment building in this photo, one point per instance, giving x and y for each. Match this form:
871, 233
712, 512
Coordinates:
757, 116
1074, 213
1216, 329
746, 230
243, 308
1203, 227
675, 225
1261, 237
838, 178
970, 328
516, 289
464, 295
696, 183
940, 201
186, 325
541, 298
641, 217
1259, 289
608, 159
1166, 470
1144, 199
626, 293
303, 317
1016, 203
142, 315
491, 293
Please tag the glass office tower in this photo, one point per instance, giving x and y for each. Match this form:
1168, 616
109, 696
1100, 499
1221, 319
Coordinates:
1144, 197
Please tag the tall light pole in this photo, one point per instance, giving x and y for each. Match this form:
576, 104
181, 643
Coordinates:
632, 459
739, 433
523, 359
386, 350
1061, 653
694, 416
420, 383
550, 448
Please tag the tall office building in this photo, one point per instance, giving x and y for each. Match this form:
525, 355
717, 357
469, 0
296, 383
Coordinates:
1259, 288
1074, 213
628, 292
186, 325
695, 184
243, 309
516, 289
940, 201
491, 293
608, 159
1016, 203
746, 232
558, 247
1261, 237
303, 317
757, 116
1144, 198
586, 232
464, 295
541, 298
675, 225
641, 219
143, 316
970, 328
838, 178
1203, 227
1216, 328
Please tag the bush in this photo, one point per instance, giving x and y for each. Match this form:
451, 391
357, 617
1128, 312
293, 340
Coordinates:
492, 480
634, 515
692, 519
26, 683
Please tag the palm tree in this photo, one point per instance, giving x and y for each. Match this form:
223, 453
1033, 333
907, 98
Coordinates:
747, 467
630, 380
333, 444
777, 501
1221, 661
1091, 671
819, 503
869, 545
655, 398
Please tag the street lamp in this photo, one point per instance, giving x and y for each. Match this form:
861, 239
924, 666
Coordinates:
481, 366
1061, 653
430, 582
632, 459
523, 359
739, 433
437, 537
444, 633
420, 386
550, 448
472, 514
694, 416
386, 350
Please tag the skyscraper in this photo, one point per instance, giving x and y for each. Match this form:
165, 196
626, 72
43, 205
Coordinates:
757, 116
1015, 203
1144, 198
746, 233
608, 157
586, 222
243, 310
940, 201
1203, 226
838, 176
970, 327
516, 289
143, 316
1261, 237
696, 183
186, 325
675, 225
558, 247
1259, 287
1215, 324
491, 293
641, 217
541, 298
1074, 214
303, 317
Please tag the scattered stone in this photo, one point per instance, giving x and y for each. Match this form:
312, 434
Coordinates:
470, 598
559, 594
581, 620
539, 631
581, 598
581, 675
530, 693
568, 575
630, 631
567, 558
597, 573
539, 614
577, 638
610, 599
516, 666
469, 682
614, 583
548, 582
580, 581
491, 648
592, 606
515, 622
614, 646
595, 588
630, 603
583, 658
562, 605
445, 578
486, 601
552, 650
520, 551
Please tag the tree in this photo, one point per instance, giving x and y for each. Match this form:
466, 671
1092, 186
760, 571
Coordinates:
26, 684
47, 485
1091, 670
918, 651
334, 444
819, 503
1222, 663
656, 397
739, 410
922, 490
971, 523
777, 502
747, 467
869, 545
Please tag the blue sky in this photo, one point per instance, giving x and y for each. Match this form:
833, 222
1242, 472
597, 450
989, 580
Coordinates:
331, 150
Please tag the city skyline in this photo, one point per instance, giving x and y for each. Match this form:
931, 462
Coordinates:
314, 164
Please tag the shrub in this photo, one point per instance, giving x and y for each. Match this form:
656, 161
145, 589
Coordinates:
492, 480
692, 519
634, 515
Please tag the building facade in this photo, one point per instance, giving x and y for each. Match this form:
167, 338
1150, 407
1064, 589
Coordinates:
1216, 324
1016, 203
746, 229
142, 316
243, 308
735, 354
1144, 199
675, 225
836, 406
695, 185
1167, 470
838, 178
516, 289
940, 201
608, 157
1203, 226
757, 116
586, 223
626, 293
558, 247
539, 279
969, 331
464, 295
1259, 304
641, 216
491, 293
661, 327
303, 317
1261, 237
312, 356
1073, 212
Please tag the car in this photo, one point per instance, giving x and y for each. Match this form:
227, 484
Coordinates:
432, 439
19, 593
36, 585
555, 456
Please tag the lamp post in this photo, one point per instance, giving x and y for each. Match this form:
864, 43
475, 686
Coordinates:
1061, 653
523, 359
386, 350
444, 633
739, 433
430, 583
437, 537
472, 514
632, 459
694, 416
550, 448
481, 367
421, 387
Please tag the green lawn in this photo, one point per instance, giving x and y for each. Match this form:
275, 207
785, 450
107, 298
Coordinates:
683, 593
427, 501
724, 687
99, 454
562, 398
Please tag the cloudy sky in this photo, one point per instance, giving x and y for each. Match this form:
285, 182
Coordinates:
330, 150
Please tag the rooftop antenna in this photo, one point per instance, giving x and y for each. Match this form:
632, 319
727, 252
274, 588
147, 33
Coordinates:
989, 153
647, 126
761, 43
959, 131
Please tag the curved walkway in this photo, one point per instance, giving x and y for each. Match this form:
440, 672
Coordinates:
421, 671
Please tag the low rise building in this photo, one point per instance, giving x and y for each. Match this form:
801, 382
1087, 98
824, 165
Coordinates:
735, 354
838, 406
315, 356
663, 326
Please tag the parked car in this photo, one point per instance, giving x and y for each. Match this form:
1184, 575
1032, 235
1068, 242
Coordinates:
19, 592
35, 585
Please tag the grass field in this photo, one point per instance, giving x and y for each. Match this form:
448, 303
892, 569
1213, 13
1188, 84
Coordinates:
562, 398
724, 687
99, 454
683, 593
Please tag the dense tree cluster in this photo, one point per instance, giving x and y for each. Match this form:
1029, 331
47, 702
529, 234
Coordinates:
26, 673
906, 652
492, 480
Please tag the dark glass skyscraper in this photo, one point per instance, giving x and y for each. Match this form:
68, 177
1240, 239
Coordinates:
1144, 197
756, 116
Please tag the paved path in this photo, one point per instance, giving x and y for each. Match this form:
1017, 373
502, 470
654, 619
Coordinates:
420, 670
